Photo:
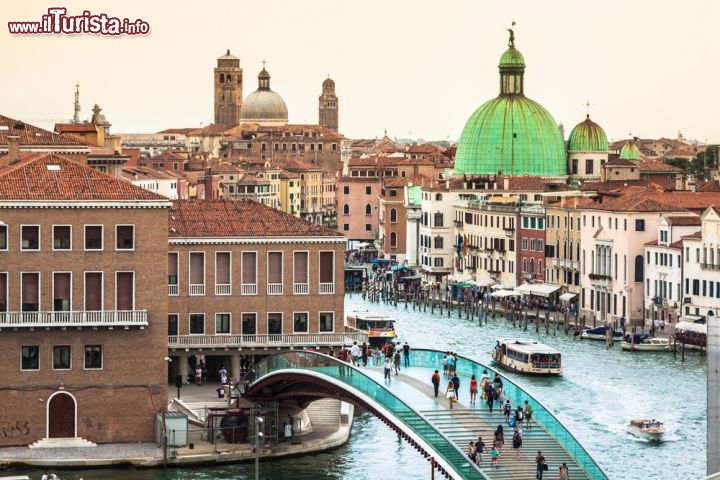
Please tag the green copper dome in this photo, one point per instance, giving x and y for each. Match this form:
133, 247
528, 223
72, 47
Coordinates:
630, 151
512, 57
511, 134
587, 136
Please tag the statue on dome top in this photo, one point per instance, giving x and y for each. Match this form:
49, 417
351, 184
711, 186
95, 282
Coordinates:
511, 41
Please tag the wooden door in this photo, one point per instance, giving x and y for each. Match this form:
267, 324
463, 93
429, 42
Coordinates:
61, 416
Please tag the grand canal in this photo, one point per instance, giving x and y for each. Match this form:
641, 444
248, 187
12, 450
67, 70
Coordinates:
598, 393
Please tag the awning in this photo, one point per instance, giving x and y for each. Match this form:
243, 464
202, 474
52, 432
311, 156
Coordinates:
506, 284
411, 277
690, 318
540, 289
381, 260
503, 293
398, 267
483, 282
568, 296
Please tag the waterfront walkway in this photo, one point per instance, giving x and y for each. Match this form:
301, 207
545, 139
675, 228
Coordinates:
199, 450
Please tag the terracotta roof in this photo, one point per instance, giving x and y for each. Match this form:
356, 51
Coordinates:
404, 181
238, 218
618, 162
133, 154
685, 220
363, 161
695, 235
214, 129
50, 176
183, 131
31, 135
676, 245
136, 173
296, 164
713, 186
75, 127
656, 166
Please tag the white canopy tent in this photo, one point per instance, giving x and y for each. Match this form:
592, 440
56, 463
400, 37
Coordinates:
540, 289
504, 293
568, 296
483, 282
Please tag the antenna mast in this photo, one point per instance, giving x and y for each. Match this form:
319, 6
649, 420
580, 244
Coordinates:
76, 106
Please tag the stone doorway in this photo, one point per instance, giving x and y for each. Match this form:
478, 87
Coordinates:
61, 416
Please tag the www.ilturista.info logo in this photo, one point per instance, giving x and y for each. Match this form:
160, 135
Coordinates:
57, 22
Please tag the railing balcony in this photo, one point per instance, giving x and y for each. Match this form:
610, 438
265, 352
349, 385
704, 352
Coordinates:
197, 289
223, 289
301, 288
710, 266
327, 288
274, 288
173, 290
458, 223
261, 340
248, 289
47, 319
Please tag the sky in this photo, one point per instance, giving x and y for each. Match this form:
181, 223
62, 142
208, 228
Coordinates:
415, 68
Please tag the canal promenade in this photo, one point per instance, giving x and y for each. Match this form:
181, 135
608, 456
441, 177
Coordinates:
199, 451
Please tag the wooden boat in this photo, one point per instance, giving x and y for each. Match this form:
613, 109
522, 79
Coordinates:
528, 356
643, 342
380, 327
693, 335
599, 333
647, 429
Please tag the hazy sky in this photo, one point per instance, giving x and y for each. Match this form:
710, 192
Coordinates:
416, 68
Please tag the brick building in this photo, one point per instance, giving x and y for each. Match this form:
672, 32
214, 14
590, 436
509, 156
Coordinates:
75, 292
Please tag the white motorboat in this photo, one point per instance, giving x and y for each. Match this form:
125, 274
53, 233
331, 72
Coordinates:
647, 429
646, 343
599, 333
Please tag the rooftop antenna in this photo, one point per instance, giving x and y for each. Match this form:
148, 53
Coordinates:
76, 106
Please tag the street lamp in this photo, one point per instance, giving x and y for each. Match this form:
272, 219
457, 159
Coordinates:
258, 434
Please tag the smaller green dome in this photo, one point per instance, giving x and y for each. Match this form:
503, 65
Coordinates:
587, 136
630, 151
512, 58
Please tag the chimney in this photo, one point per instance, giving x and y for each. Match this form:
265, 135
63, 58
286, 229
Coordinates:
13, 149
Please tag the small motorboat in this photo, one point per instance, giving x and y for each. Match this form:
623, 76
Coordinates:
643, 342
650, 430
599, 333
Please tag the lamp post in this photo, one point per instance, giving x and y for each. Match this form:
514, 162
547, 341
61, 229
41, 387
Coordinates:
258, 434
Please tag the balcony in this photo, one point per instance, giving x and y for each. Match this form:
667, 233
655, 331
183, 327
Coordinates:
710, 266
301, 288
264, 340
197, 289
248, 289
107, 318
458, 223
327, 288
274, 288
173, 290
223, 289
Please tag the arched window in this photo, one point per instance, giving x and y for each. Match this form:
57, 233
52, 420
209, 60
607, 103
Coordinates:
393, 240
540, 270
393, 215
438, 196
346, 209
525, 265
438, 219
222, 78
532, 265
639, 264
368, 209
229, 78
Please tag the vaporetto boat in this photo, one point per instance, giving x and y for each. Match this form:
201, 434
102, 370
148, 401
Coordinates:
525, 355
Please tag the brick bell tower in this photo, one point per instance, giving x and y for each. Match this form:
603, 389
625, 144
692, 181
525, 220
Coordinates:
228, 90
328, 106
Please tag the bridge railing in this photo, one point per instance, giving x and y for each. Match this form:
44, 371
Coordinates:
346, 373
468, 367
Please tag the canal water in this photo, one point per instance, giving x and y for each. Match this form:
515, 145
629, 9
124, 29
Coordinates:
598, 393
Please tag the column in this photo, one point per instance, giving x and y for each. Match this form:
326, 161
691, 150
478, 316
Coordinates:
234, 366
182, 367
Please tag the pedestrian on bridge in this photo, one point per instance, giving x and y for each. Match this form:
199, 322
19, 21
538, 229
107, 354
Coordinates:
387, 368
473, 389
563, 472
456, 383
450, 393
406, 354
435, 379
540, 464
